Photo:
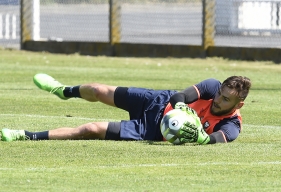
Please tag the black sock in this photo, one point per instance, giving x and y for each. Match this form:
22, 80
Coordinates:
44, 135
72, 91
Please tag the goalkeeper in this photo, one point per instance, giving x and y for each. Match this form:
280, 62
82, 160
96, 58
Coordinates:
217, 106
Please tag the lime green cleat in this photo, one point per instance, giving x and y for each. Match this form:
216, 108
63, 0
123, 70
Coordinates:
12, 135
48, 83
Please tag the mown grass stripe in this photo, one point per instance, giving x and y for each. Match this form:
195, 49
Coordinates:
103, 119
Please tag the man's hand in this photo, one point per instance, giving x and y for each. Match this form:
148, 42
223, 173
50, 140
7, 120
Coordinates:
202, 136
181, 105
191, 132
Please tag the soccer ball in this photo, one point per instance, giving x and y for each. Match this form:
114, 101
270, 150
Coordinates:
171, 124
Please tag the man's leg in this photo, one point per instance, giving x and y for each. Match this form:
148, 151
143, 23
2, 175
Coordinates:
95, 130
86, 131
98, 92
91, 92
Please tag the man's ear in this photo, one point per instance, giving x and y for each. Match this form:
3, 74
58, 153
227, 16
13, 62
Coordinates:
240, 104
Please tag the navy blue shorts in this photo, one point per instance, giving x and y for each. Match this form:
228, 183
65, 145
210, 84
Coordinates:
145, 107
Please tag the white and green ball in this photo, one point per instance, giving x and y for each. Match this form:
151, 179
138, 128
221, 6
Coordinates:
172, 122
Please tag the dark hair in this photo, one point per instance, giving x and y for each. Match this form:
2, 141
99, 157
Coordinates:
241, 84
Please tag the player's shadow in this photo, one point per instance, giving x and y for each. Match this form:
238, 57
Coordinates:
166, 143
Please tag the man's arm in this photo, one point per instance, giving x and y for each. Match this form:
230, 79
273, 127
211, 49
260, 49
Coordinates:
217, 137
194, 132
186, 96
191, 133
197, 134
206, 89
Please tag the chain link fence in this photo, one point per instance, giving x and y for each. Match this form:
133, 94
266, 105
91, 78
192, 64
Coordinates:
157, 22
232, 23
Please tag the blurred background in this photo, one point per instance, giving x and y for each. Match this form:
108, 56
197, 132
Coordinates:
231, 23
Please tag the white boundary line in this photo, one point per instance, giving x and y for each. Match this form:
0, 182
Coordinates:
101, 119
189, 164
155, 165
262, 126
56, 117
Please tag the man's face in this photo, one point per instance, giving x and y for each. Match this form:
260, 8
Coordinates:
225, 102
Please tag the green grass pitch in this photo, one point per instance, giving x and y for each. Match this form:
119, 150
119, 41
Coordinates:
250, 163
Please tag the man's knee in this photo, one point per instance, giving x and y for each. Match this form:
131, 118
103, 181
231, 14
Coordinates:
99, 91
93, 130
